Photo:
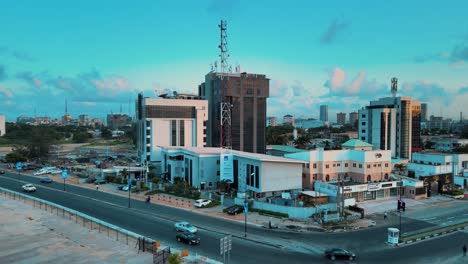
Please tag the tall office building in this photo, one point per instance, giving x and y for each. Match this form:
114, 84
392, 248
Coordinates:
116, 121
424, 112
247, 94
341, 118
324, 113
2, 125
172, 121
392, 123
288, 120
272, 121
353, 118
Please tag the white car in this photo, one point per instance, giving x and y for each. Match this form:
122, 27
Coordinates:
201, 203
29, 188
55, 171
40, 172
185, 227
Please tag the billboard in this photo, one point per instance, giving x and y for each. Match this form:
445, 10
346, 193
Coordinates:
226, 167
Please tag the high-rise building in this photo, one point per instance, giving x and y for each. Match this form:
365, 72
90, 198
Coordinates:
173, 121
424, 112
84, 119
288, 120
272, 121
324, 113
2, 125
341, 118
42, 120
116, 121
392, 123
247, 94
353, 118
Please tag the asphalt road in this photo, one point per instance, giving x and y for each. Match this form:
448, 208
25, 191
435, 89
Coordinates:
157, 222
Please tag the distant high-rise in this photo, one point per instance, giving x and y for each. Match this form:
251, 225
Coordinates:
324, 113
272, 121
116, 121
424, 112
353, 118
341, 118
2, 125
247, 93
392, 123
288, 120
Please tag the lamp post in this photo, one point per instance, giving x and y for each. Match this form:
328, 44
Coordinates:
246, 209
400, 203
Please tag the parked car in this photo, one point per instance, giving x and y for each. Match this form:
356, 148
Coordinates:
120, 187
185, 227
55, 171
339, 253
29, 188
46, 180
100, 181
2, 172
235, 209
201, 203
90, 180
188, 238
40, 172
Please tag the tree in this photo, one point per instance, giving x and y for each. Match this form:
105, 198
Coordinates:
461, 149
106, 133
13, 157
124, 173
303, 141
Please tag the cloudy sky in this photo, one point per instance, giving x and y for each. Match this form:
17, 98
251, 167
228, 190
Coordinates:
100, 54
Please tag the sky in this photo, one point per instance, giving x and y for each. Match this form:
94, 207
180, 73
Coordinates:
98, 55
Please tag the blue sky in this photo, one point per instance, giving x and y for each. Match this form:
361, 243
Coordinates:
100, 54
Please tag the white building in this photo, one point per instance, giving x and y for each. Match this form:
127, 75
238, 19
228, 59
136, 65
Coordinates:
392, 123
161, 122
2, 125
257, 174
439, 170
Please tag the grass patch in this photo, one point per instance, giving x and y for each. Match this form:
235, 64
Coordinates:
114, 142
270, 213
153, 192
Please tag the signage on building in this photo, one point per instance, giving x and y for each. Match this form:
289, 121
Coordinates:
373, 186
226, 167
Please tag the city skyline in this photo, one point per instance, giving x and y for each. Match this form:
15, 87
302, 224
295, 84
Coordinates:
100, 55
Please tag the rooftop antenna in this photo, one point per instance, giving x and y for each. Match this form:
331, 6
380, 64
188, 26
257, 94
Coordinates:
394, 86
225, 105
66, 107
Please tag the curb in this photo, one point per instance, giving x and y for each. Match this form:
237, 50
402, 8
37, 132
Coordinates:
419, 239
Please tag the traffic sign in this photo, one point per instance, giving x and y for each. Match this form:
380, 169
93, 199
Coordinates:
246, 207
19, 166
64, 174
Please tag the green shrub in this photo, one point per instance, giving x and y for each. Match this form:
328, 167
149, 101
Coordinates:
155, 180
153, 192
117, 180
174, 258
213, 204
109, 178
266, 212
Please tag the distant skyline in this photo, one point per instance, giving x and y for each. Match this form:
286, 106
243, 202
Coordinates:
100, 54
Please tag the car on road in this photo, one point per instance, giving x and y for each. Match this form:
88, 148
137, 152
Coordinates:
29, 188
46, 180
201, 203
235, 209
185, 227
188, 238
339, 253
100, 181
2, 172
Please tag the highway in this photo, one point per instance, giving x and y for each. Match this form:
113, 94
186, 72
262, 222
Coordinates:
262, 245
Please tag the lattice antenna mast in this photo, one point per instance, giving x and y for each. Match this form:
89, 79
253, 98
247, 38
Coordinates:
225, 101
394, 86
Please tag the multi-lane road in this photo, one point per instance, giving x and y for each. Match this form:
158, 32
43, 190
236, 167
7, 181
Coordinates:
261, 245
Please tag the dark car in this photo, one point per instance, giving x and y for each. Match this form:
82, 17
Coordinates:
233, 210
339, 253
100, 181
46, 180
2, 172
188, 238
90, 180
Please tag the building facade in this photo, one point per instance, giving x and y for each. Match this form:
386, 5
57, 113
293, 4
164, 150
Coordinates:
324, 113
341, 118
272, 121
169, 122
423, 112
288, 120
247, 94
116, 121
353, 118
258, 175
392, 124
2, 125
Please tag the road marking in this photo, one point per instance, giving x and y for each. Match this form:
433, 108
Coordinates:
451, 217
428, 219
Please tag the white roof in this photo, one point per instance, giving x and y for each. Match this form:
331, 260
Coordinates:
314, 193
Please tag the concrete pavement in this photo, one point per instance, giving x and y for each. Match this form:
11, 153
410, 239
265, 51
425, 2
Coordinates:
31, 235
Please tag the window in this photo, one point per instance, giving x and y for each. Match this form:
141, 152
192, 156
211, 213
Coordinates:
354, 165
360, 166
386, 176
386, 165
327, 178
363, 138
368, 166
338, 165
375, 165
315, 176
308, 165
346, 164
327, 166
334, 165
380, 165
217, 162
315, 165
363, 116
368, 178
363, 131
363, 123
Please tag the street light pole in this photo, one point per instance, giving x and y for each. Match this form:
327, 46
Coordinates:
245, 216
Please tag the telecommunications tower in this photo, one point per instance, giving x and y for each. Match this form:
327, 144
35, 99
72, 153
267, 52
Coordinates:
225, 100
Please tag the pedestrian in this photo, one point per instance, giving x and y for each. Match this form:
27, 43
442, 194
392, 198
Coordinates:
464, 250
97, 187
385, 215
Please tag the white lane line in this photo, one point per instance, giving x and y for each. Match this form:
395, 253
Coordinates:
450, 217
428, 219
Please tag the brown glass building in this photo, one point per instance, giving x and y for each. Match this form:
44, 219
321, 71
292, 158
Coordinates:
247, 93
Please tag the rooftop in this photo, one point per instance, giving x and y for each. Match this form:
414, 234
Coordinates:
284, 148
356, 143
